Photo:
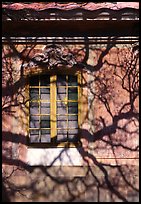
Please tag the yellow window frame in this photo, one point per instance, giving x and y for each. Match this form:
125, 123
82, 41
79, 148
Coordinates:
53, 111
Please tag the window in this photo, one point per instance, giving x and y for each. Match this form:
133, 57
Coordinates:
54, 110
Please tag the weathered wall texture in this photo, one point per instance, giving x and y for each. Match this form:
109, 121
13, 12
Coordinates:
108, 170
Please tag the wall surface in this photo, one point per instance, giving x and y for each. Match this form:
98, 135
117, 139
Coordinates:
105, 168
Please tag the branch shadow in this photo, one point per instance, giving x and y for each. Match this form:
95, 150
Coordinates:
126, 112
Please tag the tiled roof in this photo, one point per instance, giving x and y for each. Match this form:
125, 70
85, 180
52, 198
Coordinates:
90, 6
30, 19
70, 11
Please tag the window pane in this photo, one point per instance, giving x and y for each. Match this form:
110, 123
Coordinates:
61, 117
73, 107
34, 136
61, 80
34, 108
73, 131
45, 94
45, 108
34, 81
61, 93
61, 108
72, 134
34, 93
73, 121
34, 121
45, 136
61, 135
72, 94
45, 121
61, 121
72, 80
44, 80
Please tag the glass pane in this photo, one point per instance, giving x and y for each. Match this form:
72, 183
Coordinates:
61, 93
34, 136
61, 80
34, 108
34, 93
61, 117
61, 121
45, 94
73, 107
61, 135
73, 121
44, 80
45, 136
72, 94
45, 121
72, 134
72, 80
61, 108
34, 121
73, 131
34, 81
45, 108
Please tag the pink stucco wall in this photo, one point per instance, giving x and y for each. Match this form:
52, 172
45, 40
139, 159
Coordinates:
110, 106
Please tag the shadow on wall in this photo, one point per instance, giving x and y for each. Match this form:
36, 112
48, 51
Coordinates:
116, 132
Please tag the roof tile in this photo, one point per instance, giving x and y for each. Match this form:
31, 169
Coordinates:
69, 6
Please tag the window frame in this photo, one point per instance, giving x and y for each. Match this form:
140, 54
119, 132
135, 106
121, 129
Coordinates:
53, 104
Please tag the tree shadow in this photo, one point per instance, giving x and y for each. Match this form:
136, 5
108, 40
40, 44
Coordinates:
113, 129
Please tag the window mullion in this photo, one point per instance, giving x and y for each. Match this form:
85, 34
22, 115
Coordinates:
53, 106
67, 105
39, 110
79, 99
